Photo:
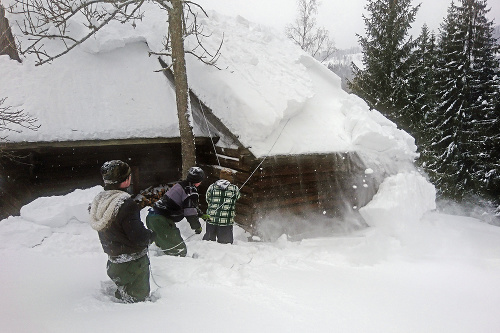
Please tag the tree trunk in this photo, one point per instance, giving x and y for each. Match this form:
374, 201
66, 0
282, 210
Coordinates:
175, 26
7, 44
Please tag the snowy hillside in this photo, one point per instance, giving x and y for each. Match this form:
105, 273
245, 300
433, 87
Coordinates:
341, 64
346, 56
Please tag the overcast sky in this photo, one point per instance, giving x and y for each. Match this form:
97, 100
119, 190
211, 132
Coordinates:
343, 18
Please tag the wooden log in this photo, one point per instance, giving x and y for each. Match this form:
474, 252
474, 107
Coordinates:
239, 153
232, 152
246, 200
336, 158
347, 162
294, 169
285, 202
324, 200
232, 158
242, 177
246, 190
213, 172
326, 179
243, 209
303, 187
231, 163
303, 209
271, 194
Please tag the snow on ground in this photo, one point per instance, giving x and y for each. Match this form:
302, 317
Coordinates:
412, 270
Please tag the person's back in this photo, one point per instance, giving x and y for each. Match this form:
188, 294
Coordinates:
116, 218
180, 201
221, 198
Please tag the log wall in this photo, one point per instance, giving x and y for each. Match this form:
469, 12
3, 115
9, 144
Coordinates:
331, 185
326, 184
53, 171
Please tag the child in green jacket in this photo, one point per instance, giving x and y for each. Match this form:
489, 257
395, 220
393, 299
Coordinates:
221, 199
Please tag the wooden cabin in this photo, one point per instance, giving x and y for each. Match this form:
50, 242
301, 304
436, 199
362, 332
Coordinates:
332, 184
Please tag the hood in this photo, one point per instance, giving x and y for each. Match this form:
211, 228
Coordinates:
105, 207
222, 183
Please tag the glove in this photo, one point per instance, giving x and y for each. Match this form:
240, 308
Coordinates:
198, 231
205, 217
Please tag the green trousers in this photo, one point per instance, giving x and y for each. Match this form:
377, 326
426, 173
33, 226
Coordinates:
168, 236
131, 278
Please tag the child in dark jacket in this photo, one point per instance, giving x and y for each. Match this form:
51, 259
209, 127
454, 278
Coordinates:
116, 218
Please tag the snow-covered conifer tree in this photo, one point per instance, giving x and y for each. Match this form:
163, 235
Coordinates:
465, 122
484, 82
421, 97
386, 58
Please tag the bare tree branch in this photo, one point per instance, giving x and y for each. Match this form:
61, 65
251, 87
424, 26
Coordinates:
304, 33
192, 27
13, 120
51, 19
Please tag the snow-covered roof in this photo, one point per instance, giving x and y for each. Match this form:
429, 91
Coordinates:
86, 96
274, 97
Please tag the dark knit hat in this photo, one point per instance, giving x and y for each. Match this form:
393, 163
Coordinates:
195, 175
115, 172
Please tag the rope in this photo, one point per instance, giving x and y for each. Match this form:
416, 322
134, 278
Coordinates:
183, 241
267, 155
151, 269
153, 277
209, 133
258, 166
217, 156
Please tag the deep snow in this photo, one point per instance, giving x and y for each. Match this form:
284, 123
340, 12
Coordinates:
412, 270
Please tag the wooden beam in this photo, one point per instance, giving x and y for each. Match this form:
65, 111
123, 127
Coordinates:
299, 179
16, 146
